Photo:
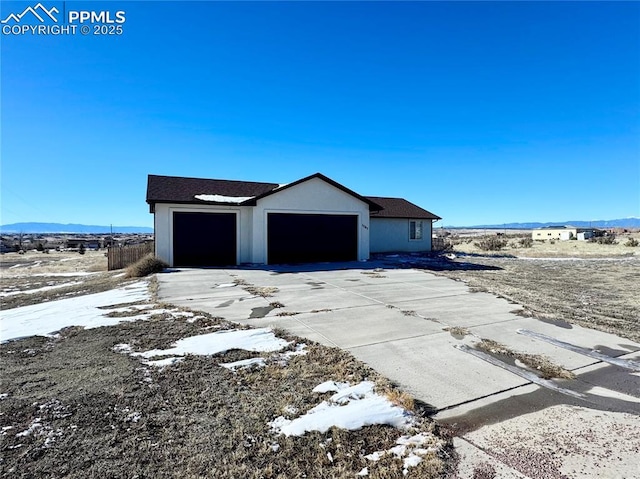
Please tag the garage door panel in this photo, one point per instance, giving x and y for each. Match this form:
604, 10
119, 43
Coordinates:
204, 239
306, 238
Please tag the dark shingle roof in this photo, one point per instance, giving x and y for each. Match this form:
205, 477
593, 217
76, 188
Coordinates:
176, 189
400, 208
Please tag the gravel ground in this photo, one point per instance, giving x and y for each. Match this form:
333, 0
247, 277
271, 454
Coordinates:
565, 442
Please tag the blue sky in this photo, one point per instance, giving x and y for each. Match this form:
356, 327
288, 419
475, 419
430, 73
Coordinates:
481, 112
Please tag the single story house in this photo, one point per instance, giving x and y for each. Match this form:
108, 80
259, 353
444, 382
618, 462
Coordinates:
563, 233
209, 222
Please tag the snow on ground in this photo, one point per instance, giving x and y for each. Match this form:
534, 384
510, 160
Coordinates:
262, 340
300, 350
44, 319
409, 448
77, 273
39, 290
245, 363
351, 407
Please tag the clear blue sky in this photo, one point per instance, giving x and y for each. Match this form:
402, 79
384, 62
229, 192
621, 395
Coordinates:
481, 112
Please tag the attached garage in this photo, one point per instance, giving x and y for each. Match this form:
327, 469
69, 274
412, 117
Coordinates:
202, 222
310, 238
204, 239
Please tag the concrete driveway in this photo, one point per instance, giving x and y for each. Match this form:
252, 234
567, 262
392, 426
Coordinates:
397, 320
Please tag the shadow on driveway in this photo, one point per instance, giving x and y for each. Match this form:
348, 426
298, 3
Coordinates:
436, 261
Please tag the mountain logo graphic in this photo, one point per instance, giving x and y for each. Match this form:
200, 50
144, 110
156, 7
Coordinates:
39, 11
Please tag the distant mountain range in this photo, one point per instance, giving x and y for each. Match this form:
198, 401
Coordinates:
620, 223
70, 228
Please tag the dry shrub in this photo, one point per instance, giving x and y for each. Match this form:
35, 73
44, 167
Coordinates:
526, 242
146, 266
491, 243
609, 238
632, 243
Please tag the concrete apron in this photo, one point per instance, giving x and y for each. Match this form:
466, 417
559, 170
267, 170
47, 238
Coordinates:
397, 321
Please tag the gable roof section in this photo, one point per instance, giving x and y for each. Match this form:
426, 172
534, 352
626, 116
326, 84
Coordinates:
176, 189
373, 206
400, 208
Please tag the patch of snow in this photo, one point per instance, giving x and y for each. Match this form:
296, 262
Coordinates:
35, 425
129, 309
329, 386
122, 348
245, 363
47, 318
133, 417
39, 290
77, 273
163, 363
375, 456
259, 340
223, 199
411, 460
275, 447
352, 407
291, 410
407, 447
226, 285
300, 350
4, 396
363, 472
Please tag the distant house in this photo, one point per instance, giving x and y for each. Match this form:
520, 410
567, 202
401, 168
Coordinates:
563, 233
209, 222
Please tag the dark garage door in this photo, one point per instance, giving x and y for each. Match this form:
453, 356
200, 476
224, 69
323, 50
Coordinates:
204, 239
306, 238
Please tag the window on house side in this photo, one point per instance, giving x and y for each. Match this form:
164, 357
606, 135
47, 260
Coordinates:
415, 230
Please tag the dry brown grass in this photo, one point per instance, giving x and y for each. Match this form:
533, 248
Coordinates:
264, 291
539, 363
101, 413
400, 398
104, 413
521, 247
594, 293
458, 331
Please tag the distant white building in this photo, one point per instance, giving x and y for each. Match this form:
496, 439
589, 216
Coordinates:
563, 233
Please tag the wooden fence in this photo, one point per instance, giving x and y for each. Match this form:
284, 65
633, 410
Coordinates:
122, 256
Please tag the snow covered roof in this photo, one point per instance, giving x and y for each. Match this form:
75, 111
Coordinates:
223, 199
